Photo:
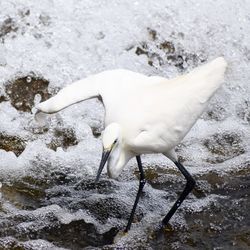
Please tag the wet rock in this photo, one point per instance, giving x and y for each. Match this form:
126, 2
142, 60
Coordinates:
3, 98
77, 234
216, 113
44, 224
163, 178
214, 179
37, 244
44, 19
222, 217
24, 12
167, 46
64, 138
151, 174
152, 34
23, 194
96, 131
160, 51
223, 147
243, 111
60, 178
22, 92
7, 26
12, 143
139, 51
8, 243
101, 201
38, 130
176, 60
101, 187
103, 209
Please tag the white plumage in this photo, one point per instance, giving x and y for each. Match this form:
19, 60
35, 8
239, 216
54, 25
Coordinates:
153, 113
144, 114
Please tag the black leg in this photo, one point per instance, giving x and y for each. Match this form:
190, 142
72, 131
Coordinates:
188, 188
142, 183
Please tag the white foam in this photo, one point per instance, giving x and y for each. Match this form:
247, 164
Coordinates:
63, 41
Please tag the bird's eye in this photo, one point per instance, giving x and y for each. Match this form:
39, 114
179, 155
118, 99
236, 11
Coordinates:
115, 140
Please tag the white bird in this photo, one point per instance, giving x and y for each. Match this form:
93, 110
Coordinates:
144, 115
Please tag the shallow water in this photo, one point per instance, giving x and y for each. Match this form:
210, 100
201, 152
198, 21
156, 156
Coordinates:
65, 212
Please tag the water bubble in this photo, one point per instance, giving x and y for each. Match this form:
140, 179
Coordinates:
18, 104
37, 99
28, 79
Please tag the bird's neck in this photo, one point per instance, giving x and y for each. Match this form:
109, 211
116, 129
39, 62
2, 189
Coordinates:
74, 93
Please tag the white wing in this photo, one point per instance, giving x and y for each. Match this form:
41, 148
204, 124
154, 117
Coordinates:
164, 113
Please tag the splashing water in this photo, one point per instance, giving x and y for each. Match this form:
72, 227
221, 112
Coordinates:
48, 199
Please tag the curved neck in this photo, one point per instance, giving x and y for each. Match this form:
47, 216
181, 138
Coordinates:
76, 92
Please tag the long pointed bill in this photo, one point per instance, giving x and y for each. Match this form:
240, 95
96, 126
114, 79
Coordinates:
105, 156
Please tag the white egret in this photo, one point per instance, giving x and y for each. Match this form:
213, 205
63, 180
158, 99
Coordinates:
144, 115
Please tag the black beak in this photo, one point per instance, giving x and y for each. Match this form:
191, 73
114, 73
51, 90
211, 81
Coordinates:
105, 156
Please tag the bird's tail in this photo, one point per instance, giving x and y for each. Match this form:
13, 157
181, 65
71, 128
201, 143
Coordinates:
76, 92
206, 79
213, 72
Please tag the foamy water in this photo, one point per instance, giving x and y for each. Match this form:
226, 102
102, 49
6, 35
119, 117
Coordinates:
47, 171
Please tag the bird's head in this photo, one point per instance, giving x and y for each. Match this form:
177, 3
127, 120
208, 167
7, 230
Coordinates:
110, 138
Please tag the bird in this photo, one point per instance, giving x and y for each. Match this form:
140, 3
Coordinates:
144, 115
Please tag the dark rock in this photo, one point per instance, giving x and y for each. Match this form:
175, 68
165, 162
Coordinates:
23, 194
216, 113
24, 12
107, 207
22, 92
243, 111
44, 19
77, 234
140, 51
96, 131
222, 217
7, 26
224, 146
160, 51
12, 143
64, 138
3, 98
9, 243
167, 46
101, 187
152, 34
